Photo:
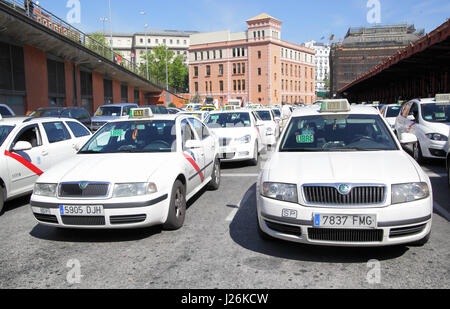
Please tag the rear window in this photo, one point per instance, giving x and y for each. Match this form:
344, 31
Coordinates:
56, 132
4, 111
77, 129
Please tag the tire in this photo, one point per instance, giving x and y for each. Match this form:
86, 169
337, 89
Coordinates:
422, 242
261, 233
177, 208
2, 200
448, 173
417, 153
214, 184
255, 160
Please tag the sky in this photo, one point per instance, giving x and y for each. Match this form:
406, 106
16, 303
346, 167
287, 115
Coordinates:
302, 20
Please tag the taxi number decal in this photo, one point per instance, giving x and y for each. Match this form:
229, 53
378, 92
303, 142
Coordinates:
116, 133
305, 139
24, 162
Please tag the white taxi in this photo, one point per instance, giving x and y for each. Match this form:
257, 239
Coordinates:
340, 177
429, 121
390, 112
272, 127
30, 146
132, 173
239, 134
448, 160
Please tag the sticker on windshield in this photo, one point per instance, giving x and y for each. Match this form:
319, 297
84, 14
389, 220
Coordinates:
439, 115
428, 117
140, 127
305, 139
215, 117
117, 133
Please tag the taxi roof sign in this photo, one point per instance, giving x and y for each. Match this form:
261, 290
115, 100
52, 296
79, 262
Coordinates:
443, 97
141, 113
335, 106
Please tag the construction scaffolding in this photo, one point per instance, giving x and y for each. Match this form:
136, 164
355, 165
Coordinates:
364, 48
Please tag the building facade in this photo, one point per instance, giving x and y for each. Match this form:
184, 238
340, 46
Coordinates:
364, 48
254, 66
133, 45
322, 65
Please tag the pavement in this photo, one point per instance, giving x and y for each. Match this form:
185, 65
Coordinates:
217, 248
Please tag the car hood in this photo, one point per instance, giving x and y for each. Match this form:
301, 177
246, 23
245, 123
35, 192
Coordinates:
343, 167
115, 168
232, 132
441, 128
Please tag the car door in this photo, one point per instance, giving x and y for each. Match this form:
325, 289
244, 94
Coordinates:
259, 127
61, 145
26, 166
208, 143
402, 120
195, 158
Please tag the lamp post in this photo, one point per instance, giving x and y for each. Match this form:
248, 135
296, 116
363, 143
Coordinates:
146, 47
103, 20
110, 26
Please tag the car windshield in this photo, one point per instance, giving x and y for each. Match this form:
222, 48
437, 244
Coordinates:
4, 132
4, 111
133, 137
228, 120
46, 113
264, 115
332, 133
109, 111
277, 112
393, 111
158, 110
435, 112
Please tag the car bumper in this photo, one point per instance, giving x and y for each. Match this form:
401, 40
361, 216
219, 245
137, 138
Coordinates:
396, 224
117, 215
434, 149
237, 153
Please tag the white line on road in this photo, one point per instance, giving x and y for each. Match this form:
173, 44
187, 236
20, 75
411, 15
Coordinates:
235, 211
232, 214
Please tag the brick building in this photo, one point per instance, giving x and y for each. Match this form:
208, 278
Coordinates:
253, 66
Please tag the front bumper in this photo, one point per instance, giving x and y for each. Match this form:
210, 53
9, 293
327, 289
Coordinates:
396, 224
237, 153
434, 149
117, 215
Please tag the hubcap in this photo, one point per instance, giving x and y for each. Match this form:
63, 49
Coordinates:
178, 203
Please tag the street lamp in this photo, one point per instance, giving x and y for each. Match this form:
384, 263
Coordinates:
146, 48
110, 26
103, 20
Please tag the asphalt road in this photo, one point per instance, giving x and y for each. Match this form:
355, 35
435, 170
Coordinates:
217, 248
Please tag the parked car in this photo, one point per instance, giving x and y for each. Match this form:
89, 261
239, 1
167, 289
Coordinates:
107, 113
78, 113
158, 109
173, 110
30, 146
6, 111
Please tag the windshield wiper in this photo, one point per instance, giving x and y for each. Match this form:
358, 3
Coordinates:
356, 149
89, 152
300, 150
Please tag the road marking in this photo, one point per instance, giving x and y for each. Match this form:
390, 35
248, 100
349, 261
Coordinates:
233, 213
240, 175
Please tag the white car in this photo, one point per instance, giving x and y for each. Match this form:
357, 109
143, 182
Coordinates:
448, 160
272, 127
202, 115
390, 112
239, 134
30, 146
132, 173
340, 177
191, 107
429, 121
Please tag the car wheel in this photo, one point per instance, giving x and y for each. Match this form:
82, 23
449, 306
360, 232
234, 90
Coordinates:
2, 200
417, 152
422, 242
214, 184
255, 159
177, 207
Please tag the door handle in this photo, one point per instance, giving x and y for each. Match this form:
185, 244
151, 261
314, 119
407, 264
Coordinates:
45, 153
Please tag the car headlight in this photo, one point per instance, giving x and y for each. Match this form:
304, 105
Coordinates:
280, 191
244, 140
134, 189
269, 132
408, 192
45, 189
437, 137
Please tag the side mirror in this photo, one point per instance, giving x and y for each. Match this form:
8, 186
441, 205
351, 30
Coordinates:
411, 117
408, 138
22, 146
193, 144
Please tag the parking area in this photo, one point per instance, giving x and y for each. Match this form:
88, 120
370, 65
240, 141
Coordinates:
218, 247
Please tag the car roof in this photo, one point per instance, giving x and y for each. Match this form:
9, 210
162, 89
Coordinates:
30, 120
119, 104
314, 110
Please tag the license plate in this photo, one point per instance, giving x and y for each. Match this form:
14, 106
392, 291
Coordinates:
345, 221
226, 150
85, 211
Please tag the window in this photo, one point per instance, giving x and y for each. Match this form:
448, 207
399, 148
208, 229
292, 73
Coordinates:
259, 54
220, 69
243, 68
259, 88
124, 93
243, 84
30, 134
77, 129
196, 87
108, 91
56, 132
234, 85
208, 70
195, 71
239, 68
259, 71
234, 68
56, 82
239, 85
186, 132
221, 85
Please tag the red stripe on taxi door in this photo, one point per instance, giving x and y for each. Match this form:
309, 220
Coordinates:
194, 164
24, 162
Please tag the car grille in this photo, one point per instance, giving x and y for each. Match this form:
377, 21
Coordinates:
92, 190
327, 195
225, 141
83, 221
344, 235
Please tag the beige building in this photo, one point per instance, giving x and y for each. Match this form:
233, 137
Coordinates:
254, 66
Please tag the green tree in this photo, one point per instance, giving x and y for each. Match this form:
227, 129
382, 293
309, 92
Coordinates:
98, 43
